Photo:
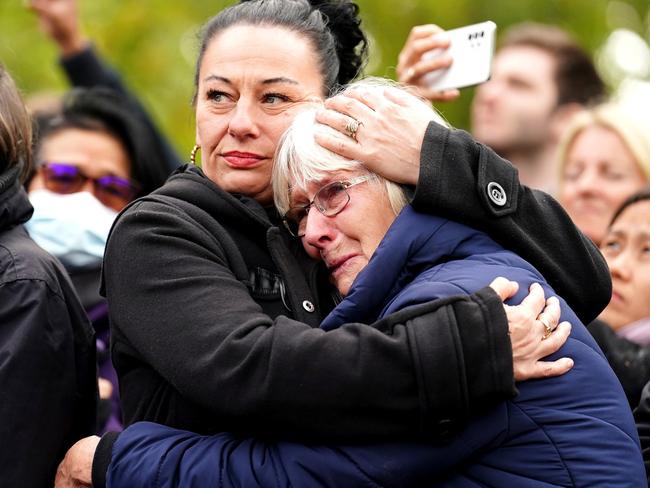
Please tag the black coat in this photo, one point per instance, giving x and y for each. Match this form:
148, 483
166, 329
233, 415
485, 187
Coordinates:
48, 385
629, 360
198, 348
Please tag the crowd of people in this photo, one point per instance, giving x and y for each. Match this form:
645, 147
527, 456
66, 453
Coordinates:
339, 289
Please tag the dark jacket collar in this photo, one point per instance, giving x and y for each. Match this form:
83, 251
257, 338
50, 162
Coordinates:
190, 184
14, 205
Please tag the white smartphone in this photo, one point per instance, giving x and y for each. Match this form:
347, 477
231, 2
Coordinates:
471, 47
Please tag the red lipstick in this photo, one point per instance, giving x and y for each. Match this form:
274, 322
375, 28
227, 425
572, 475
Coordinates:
239, 159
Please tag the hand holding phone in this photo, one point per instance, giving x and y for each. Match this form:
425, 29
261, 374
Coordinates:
471, 48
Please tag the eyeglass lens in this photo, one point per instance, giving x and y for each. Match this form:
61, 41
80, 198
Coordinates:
329, 201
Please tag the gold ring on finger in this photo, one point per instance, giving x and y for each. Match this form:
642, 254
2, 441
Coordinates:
352, 127
547, 328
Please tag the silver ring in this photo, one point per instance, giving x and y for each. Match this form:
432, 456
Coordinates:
547, 328
352, 127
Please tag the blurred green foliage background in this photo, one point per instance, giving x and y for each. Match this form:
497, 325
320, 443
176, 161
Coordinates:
153, 42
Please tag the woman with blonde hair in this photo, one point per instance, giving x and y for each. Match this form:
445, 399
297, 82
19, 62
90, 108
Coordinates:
604, 157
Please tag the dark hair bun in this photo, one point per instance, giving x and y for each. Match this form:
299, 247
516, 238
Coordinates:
342, 17
351, 43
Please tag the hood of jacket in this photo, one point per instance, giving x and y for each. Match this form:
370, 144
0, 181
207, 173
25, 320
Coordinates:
189, 187
414, 242
15, 208
190, 184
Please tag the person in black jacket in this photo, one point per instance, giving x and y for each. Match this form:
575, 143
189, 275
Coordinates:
215, 309
47, 348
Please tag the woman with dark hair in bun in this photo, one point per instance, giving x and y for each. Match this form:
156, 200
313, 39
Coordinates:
215, 308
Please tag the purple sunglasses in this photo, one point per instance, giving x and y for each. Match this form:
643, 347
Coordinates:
113, 191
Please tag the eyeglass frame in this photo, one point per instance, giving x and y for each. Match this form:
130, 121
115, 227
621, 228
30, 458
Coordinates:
346, 184
132, 185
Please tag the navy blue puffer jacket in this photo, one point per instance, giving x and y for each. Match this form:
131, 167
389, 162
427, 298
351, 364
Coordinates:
572, 430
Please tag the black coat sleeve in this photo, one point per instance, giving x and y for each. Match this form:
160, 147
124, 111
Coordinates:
642, 418
467, 182
629, 360
176, 304
47, 381
85, 69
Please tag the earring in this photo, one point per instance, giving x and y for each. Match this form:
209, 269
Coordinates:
195, 149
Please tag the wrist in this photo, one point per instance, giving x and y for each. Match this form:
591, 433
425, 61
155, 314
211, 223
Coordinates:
71, 46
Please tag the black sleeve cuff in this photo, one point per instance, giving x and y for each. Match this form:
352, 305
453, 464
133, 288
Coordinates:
431, 157
491, 377
102, 459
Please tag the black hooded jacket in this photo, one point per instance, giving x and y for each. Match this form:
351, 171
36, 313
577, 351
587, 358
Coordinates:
48, 384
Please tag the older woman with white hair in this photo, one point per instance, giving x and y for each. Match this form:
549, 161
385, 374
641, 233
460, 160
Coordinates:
384, 257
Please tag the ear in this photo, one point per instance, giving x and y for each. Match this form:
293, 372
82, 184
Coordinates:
562, 117
197, 137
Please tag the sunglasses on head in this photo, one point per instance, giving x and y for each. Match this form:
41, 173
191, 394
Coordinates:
113, 191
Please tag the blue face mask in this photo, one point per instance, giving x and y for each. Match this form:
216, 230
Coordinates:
73, 227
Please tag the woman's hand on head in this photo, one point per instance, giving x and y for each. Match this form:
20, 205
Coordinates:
535, 332
411, 68
389, 136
